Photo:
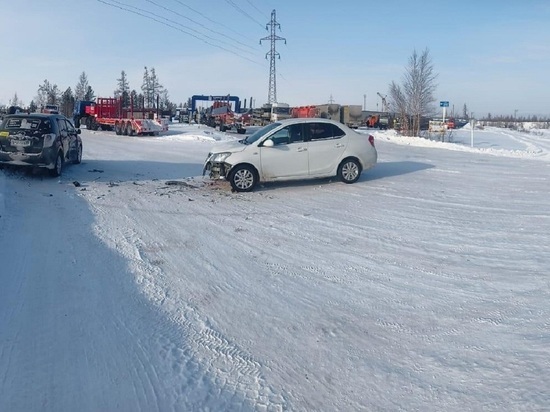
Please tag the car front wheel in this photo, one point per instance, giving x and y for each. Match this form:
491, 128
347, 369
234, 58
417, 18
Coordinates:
58, 166
349, 171
243, 179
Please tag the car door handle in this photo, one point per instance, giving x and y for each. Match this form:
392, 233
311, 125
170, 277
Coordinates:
339, 145
302, 149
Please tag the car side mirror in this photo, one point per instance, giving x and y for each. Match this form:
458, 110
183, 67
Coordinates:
78, 131
268, 143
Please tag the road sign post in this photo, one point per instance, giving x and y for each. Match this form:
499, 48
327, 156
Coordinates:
444, 104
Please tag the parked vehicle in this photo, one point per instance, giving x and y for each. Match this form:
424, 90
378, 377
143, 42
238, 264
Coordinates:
378, 120
293, 149
42, 140
50, 108
108, 113
221, 116
350, 115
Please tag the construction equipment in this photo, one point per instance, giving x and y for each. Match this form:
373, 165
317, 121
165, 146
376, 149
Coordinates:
269, 113
350, 115
220, 116
279, 111
108, 113
385, 106
380, 121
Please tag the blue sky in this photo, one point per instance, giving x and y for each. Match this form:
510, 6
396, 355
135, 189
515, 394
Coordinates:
493, 56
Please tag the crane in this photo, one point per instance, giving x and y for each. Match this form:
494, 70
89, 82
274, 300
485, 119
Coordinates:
385, 107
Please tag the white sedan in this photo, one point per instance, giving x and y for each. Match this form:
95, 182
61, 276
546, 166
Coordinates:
293, 149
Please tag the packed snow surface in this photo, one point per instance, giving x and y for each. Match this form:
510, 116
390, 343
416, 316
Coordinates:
132, 283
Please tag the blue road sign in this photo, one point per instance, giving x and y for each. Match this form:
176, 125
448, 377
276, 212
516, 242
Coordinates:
443, 104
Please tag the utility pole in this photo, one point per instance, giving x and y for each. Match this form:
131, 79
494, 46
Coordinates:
364, 102
272, 53
472, 127
385, 107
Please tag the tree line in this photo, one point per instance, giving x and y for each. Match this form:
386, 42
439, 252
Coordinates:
152, 94
412, 99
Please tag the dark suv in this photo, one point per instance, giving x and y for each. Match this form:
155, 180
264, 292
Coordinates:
39, 140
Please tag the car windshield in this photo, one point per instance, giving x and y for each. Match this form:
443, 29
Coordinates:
260, 132
31, 124
281, 110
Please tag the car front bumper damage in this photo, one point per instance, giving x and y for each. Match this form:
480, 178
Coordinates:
216, 170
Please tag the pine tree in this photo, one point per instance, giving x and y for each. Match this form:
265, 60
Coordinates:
146, 89
90, 94
42, 94
67, 102
156, 88
14, 101
123, 89
82, 87
134, 99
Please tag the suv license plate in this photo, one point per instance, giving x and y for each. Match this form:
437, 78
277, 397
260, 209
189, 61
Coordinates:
21, 142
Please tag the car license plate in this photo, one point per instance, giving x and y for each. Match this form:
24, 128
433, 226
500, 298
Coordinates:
21, 143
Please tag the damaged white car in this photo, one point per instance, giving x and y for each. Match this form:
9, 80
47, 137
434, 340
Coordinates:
293, 149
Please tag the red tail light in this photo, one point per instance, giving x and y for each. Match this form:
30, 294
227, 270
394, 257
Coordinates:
371, 140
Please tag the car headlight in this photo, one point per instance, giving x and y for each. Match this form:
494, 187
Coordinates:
219, 157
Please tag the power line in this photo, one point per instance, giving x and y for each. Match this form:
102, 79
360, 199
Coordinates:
121, 7
190, 19
257, 9
244, 13
209, 19
174, 22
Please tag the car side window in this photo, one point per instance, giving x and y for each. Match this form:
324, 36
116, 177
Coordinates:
320, 131
296, 133
62, 127
337, 132
281, 136
70, 127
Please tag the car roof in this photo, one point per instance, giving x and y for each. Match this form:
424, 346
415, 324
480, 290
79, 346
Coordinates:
302, 120
308, 120
36, 115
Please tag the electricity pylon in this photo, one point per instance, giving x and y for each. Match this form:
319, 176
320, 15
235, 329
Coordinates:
272, 53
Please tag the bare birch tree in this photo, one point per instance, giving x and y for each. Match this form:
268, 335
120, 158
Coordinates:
416, 93
398, 104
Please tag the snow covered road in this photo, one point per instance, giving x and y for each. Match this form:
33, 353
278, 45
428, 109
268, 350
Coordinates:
424, 286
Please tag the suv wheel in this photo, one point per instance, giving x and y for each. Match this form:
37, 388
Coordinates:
349, 171
58, 167
78, 158
243, 178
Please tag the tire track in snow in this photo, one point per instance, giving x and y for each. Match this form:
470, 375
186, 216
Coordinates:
199, 349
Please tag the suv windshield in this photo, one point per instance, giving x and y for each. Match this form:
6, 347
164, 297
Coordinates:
27, 124
260, 132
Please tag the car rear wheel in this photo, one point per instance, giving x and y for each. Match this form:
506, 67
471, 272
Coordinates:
78, 158
349, 171
58, 166
243, 179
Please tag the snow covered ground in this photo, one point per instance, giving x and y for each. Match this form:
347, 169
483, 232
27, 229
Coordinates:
133, 284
